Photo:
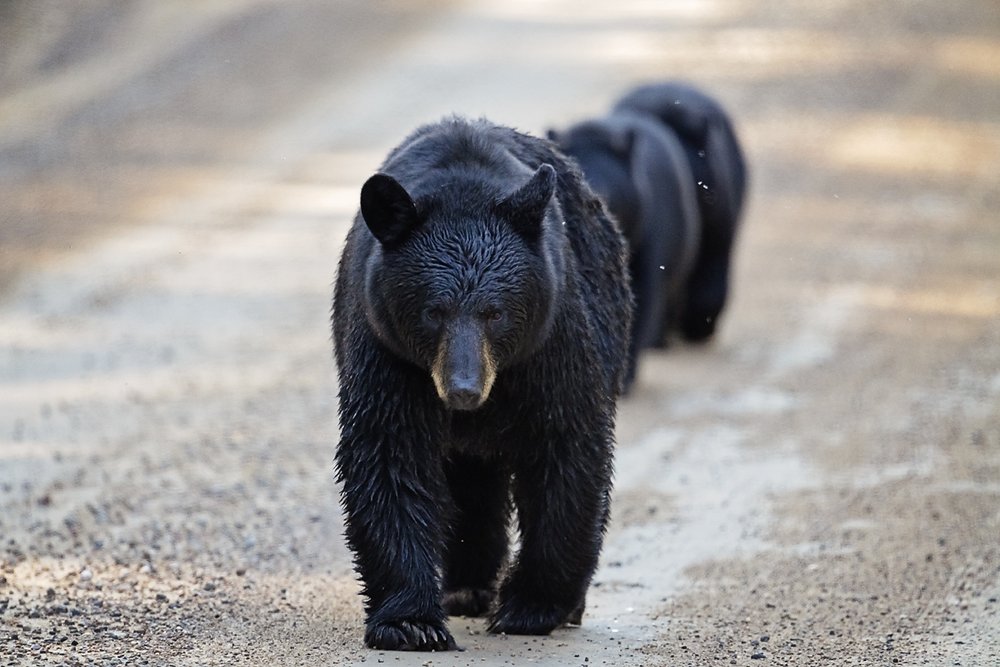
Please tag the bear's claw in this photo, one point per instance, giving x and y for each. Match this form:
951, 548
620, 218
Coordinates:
409, 636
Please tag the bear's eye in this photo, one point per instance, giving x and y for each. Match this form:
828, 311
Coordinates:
492, 314
434, 314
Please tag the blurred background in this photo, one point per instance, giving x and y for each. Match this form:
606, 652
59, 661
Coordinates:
175, 183
110, 108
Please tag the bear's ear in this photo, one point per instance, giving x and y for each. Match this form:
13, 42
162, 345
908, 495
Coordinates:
552, 135
388, 209
620, 141
525, 207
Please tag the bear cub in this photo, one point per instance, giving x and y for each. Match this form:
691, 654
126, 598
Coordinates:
719, 175
481, 322
640, 169
668, 163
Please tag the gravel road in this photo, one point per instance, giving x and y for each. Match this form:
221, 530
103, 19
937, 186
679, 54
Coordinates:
821, 485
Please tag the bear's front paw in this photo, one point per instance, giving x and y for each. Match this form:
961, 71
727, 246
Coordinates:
409, 636
515, 617
467, 601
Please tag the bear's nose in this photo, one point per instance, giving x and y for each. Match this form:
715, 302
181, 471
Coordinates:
464, 398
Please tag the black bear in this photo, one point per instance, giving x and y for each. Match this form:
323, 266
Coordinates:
719, 175
481, 320
640, 169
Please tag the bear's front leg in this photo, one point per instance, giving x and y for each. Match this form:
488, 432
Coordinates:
393, 490
393, 525
562, 509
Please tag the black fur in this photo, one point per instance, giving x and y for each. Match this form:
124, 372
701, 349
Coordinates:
640, 169
720, 177
481, 319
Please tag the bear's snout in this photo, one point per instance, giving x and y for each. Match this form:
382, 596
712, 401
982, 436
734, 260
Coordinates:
464, 370
464, 398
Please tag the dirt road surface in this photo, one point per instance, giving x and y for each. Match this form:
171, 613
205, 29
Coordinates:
821, 485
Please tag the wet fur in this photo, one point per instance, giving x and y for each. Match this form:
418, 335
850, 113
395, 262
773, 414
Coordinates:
428, 491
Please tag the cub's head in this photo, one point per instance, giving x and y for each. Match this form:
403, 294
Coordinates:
604, 152
463, 280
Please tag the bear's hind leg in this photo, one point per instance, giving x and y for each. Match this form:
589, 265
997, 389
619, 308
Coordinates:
477, 544
706, 294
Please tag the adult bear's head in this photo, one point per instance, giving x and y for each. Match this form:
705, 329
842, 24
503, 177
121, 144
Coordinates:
464, 279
